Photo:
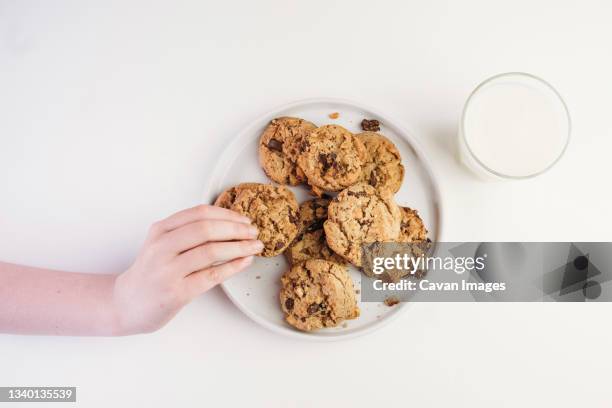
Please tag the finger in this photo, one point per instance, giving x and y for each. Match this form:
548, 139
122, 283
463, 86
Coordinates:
198, 213
213, 253
197, 233
199, 282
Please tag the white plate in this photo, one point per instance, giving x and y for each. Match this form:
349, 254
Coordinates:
255, 291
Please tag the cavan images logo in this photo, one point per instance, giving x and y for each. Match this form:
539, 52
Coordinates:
578, 280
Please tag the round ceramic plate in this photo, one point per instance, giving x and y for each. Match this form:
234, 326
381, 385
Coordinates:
256, 290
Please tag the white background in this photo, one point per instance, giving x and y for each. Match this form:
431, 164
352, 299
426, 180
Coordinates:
112, 114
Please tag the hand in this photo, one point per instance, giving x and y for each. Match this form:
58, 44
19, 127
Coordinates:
183, 256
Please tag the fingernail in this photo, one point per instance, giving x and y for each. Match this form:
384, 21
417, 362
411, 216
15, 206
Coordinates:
253, 231
258, 246
246, 220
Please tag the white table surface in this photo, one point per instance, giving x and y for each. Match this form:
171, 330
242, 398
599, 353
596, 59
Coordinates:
112, 114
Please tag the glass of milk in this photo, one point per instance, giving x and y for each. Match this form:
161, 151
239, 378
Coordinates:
514, 126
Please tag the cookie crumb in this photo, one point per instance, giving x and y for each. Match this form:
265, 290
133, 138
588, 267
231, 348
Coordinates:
345, 325
358, 291
391, 301
378, 316
258, 277
370, 125
334, 115
248, 294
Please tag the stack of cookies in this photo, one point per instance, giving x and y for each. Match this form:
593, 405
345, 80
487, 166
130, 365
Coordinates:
320, 236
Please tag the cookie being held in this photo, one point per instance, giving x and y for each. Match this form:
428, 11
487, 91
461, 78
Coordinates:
332, 158
361, 214
227, 197
383, 168
279, 147
273, 209
317, 294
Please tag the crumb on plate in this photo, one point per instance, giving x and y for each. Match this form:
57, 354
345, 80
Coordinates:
370, 125
391, 301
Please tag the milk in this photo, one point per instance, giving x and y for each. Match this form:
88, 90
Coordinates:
513, 126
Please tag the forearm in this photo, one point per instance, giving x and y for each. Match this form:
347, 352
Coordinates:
42, 301
182, 257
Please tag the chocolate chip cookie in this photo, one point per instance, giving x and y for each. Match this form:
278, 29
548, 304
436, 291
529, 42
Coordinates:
332, 158
273, 210
412, 231
279, 148
312, 214
361, 214
412, 228
383, 169
226, 198
311, 245
310, 242
317, 294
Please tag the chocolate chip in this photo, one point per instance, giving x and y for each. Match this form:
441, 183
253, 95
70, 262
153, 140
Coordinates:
316, 204
293, 217
274, 144
279, 245
370, 125
328, 160
315, 226
289, 303
323, 161
373, 180
313, 308
357, 193
364, 223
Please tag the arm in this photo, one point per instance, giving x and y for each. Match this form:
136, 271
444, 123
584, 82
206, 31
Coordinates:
42, 301
182, 257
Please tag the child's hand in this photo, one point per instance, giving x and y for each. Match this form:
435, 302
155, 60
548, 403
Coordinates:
182, 257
